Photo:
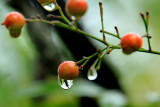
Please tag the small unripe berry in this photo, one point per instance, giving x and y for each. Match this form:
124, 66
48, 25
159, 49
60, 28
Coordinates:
131, 42
76, 8
14, 22
68, 70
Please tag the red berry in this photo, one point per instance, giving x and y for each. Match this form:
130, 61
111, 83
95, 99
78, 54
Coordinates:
68, 70
131, 42
76, 8
14, 22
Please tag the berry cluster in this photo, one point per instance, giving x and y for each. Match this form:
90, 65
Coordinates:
69, 70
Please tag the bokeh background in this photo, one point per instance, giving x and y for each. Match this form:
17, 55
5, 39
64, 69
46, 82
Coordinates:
28, 64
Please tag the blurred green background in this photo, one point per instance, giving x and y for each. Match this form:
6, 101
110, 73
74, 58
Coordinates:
138, 74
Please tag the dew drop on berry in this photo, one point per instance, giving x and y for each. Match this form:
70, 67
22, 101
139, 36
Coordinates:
65, 84
92, 74
49, 7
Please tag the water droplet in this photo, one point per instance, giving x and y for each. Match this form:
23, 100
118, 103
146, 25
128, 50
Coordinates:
73, 18
65, 84
49, 7
92, 74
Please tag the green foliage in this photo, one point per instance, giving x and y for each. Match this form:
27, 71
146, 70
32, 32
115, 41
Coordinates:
16, 64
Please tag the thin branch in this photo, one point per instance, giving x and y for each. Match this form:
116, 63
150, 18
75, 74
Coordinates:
61, 12
110, 34
117, 31
102, 22
145, 21
72, 28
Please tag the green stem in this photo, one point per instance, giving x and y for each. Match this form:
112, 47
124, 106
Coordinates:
117, 31
139, 50
63, 25
40, 20
86, 59
72, 28
149, 43
148, 37
145, 21
102, 22
110, 34
148, 51
61, 13
101, 57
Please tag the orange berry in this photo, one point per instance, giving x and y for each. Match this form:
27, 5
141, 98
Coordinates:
76, 8
131, 42
14, 22
68, 70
